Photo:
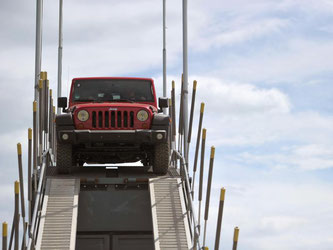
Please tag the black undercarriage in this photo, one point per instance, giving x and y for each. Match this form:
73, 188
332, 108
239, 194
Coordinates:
111, 153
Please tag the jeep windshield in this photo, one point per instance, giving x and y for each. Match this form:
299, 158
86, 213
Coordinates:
112, 90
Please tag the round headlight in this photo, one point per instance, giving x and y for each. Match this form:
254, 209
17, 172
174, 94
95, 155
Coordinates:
142, 115
83, 115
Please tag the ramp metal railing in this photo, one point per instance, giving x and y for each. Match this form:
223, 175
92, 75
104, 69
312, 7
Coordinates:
179, 156
41, 144
41, 155
36, 216
195, 234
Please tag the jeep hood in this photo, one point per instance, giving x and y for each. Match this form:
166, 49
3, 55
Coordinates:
114, 105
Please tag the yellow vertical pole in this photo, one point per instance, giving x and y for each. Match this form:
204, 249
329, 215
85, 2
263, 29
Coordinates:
19, 157
202, 109
236, 234
170, 118
202, 165
35, 144
54, 138
209, 185
41, 119
194, 90
173, 123
17, 217
4, 235
219, 220
50, 120
29, 174
46, 109
173, 98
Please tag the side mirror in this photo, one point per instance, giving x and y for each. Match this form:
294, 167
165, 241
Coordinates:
62, 103
163, 102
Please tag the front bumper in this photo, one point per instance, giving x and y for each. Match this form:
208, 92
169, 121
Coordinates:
112, 136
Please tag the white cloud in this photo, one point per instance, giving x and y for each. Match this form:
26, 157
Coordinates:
239, 32
296, 62
228, 98
261, 7
280, 223
272, 215
304, 157
240, 99
259, 129
238, 114
242, 114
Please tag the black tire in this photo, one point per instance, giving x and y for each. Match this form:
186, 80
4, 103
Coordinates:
64, 158
161, 158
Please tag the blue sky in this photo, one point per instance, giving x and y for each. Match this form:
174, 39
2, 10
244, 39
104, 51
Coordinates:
264, 70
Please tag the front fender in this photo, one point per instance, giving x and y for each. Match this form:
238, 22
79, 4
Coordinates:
64, 122
160, 122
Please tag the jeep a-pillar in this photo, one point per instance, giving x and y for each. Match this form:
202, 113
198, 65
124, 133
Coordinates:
112, 120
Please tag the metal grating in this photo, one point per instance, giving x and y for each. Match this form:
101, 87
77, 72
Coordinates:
112, 119
59, 215
171, 230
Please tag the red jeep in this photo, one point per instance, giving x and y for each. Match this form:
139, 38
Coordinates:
112, 120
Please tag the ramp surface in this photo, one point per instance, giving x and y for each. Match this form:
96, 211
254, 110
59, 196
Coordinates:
59, 214
170, 224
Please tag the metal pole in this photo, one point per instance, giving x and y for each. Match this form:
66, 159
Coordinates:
50, 121
17, 216
35, 145
209, 185
60, 50
12, 233
29, 173
38, 48
4, 235
202, 164
202, 109
37, 207
23, 246
164, 52
185, 179
19, 157
185, 72
173, 99
40, 117
42, 100
46, 107
170, 128
219, 220
54, 134
192, 111
236, 234
180, 125
173, 119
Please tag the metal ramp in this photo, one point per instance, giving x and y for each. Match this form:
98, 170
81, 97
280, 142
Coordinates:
57, 229
170, 222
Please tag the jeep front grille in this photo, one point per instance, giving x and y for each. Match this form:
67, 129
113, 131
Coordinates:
112, 119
